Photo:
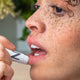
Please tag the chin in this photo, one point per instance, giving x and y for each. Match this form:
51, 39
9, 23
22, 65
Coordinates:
38, 73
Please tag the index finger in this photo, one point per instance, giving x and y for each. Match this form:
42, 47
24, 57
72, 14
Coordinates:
6, 43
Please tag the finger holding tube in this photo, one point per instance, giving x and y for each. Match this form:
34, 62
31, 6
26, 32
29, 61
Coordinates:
4, 55
9, 51
6, 71
6, 43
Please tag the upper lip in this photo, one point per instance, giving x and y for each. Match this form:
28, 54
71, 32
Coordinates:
32, 40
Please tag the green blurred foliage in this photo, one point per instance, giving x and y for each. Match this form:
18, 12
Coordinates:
25, 34
24, 11
23, 8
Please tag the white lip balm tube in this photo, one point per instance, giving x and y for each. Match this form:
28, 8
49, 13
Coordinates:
18, 56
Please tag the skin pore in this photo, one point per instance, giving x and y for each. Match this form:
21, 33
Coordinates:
58, 30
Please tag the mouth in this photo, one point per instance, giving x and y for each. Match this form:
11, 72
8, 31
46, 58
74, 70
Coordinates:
38, 53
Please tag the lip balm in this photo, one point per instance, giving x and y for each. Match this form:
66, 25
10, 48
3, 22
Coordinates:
18, 56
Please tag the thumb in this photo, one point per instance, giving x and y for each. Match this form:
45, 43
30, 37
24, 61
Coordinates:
6, 43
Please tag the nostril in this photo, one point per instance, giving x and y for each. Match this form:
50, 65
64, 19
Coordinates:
34, 28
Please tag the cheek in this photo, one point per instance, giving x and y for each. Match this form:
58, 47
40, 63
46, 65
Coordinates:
68, 38
64, 36
64, 45
64, 39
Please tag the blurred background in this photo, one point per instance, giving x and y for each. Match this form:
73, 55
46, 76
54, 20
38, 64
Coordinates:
13, 15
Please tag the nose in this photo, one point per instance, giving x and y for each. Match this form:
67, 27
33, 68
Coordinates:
35, 25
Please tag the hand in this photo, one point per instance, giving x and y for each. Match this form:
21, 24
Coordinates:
6, 72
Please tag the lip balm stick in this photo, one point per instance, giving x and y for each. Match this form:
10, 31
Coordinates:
18, 56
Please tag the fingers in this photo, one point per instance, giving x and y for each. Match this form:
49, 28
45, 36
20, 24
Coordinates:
4, 55
6, 43
8, 59
6, 72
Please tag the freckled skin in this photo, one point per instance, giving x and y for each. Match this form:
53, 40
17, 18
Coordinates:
61, 38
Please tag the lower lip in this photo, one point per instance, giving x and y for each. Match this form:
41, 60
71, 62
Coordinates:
35, 59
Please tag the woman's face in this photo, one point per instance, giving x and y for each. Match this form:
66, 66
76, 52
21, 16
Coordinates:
56, 27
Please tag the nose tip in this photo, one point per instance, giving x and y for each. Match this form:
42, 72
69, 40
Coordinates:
35, 25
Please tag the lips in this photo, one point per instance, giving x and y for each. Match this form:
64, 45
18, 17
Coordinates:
38, 52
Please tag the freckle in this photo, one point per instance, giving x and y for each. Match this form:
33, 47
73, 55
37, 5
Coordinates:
71, 21
79, 20
55, 20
